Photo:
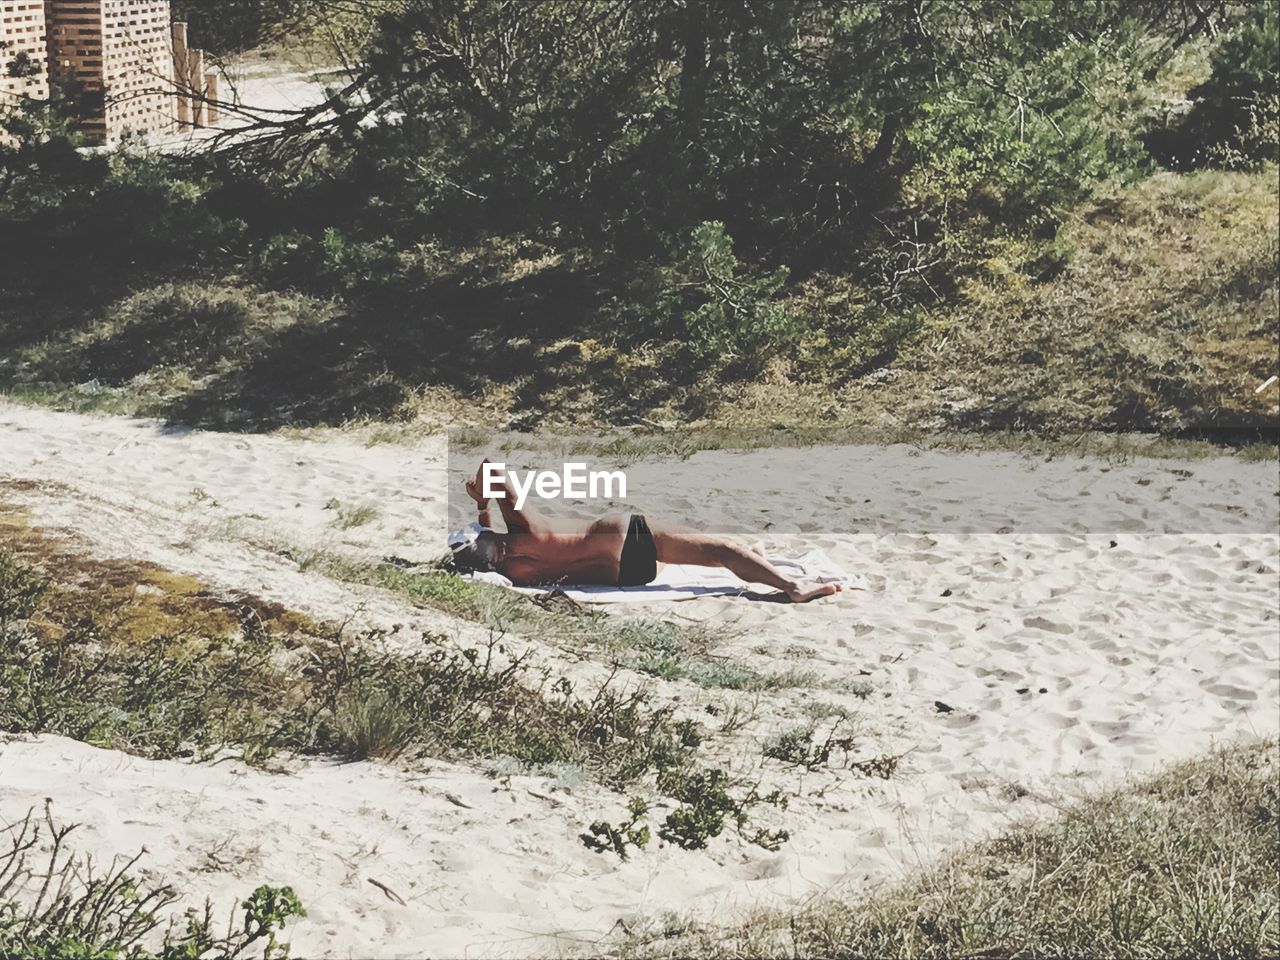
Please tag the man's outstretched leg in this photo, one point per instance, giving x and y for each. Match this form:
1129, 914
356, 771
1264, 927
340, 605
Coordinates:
707, 550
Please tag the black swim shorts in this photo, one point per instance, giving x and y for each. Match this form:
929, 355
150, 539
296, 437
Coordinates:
639, 561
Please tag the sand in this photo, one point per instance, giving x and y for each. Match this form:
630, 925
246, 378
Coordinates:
1012, 672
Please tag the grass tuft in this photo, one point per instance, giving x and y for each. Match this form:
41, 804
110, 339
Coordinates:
347, 515
368, 723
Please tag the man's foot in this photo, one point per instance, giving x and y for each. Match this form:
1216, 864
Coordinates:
806, 590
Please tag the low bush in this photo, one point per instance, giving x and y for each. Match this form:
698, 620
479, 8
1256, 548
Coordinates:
603, 835
707, 805
727, 314
56, 905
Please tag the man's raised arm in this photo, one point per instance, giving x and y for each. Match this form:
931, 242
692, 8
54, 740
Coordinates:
491, 482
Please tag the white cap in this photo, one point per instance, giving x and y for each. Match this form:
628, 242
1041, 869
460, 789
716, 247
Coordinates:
465, 536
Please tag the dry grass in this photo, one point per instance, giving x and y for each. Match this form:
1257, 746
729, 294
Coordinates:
765, 419
135, 600
1178, 865
1162, 319
348, 515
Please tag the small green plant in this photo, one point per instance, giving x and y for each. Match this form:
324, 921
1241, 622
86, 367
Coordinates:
370, 723
883, 765
631, 832
706, 804
267, 909
790, 746
797, 745
736, 716
716, 673
711, 673
200, 495
860, 688
821, 710
719, 309
664, 666
643, 634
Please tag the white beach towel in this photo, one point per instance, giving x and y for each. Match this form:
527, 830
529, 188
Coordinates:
684, 582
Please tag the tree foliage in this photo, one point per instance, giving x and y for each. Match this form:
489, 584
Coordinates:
791, 122
232, 26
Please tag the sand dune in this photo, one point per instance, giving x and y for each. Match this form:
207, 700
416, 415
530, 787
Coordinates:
1011, 671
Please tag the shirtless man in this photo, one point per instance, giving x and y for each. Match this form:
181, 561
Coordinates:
617, 549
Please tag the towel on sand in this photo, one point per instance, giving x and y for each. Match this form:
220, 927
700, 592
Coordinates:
684, 582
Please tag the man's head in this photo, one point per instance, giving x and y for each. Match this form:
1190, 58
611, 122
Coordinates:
482, 552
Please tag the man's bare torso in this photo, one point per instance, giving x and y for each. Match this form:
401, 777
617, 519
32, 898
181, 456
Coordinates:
566, 551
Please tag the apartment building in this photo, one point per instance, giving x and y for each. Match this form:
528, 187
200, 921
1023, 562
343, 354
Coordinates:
24, 71
124, 65
115, 58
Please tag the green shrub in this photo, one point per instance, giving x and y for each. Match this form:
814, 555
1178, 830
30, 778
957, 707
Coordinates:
1240, 102
725, 313
267, 909
631, 832
791, 746
370, 723
706, 803
68, 907
1234, 121
798, 746
328, 263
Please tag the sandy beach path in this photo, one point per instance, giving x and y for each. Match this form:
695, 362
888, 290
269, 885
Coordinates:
1009, 672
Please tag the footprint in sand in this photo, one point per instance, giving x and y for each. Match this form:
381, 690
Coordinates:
1040, 623
1062, 721
1228, 691
1111, 729
1009, 676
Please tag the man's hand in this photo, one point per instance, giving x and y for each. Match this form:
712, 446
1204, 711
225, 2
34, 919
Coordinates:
475, 486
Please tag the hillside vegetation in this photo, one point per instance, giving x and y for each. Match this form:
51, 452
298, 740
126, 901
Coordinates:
1048, 218
1161, 316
